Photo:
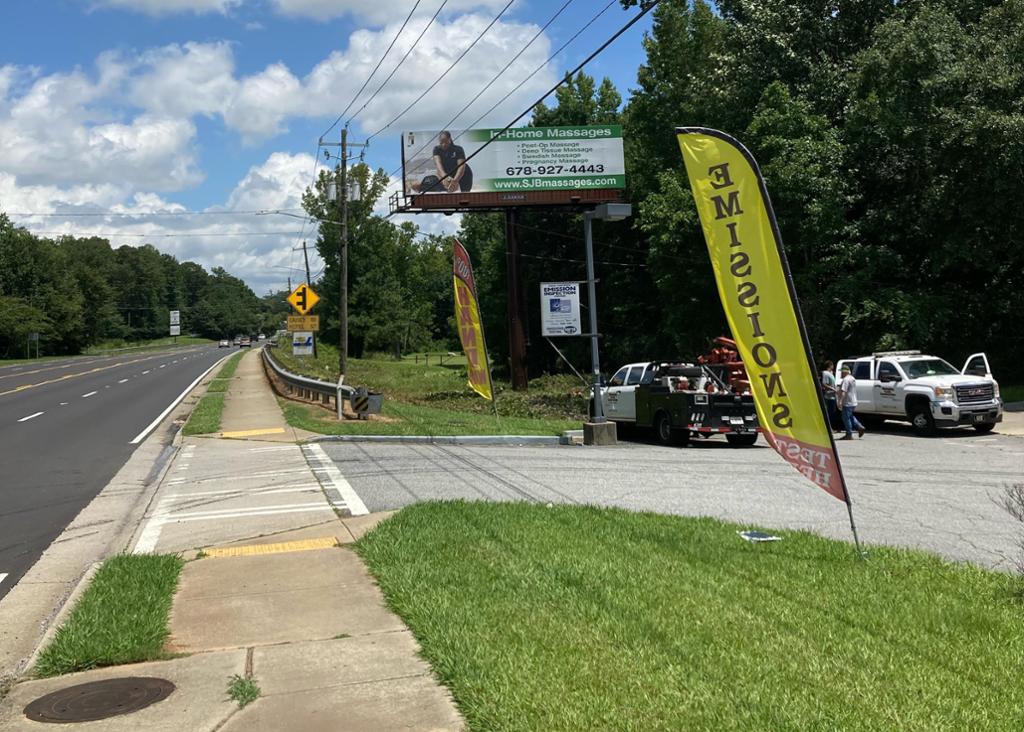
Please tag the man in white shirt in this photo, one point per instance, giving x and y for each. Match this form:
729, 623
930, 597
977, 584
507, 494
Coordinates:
847, 398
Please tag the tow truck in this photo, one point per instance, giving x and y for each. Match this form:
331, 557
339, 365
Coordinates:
680, 400
926, 391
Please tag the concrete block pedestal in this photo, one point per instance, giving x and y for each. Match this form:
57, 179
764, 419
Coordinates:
599, 433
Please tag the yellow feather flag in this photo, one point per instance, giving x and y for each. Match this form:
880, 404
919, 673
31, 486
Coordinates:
756, 288
471, 330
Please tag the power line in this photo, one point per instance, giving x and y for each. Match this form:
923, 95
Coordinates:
446, 71
375, 69
636, 19
402, 61
480, 93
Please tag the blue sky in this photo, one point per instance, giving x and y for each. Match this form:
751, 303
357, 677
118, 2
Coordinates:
147, 107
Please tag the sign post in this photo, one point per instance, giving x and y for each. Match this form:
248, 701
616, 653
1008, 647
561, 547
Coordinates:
175, 324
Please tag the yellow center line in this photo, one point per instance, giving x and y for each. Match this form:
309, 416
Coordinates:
81, 373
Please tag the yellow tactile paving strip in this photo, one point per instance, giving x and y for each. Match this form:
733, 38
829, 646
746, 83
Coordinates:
253, 433
304, 545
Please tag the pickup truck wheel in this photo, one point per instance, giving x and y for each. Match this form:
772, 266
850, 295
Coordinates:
737, 440
922, 421
664, 432
985, 426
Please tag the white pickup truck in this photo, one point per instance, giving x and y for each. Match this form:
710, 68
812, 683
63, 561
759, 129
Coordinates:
926, 391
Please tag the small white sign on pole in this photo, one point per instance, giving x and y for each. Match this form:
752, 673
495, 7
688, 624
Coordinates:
302, 343
175, 330
175, 317
560, 309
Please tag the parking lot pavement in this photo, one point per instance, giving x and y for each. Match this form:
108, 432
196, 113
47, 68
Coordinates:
937, 494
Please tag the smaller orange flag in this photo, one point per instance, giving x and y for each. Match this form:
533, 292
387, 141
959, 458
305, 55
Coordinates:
471, 330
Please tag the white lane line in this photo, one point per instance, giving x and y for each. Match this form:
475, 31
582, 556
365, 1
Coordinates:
146, 372
325, 469
122, 381
152, 425
86, 396
31, 416
163, 365
63, 404
271, 449
3, 576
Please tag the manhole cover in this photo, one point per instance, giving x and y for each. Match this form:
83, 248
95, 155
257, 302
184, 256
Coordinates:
99, 700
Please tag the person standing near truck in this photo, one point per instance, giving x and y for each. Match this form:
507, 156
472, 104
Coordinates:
847, 397
828, 391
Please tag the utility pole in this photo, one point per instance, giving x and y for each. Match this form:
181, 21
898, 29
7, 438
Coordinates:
343, 289
343, 192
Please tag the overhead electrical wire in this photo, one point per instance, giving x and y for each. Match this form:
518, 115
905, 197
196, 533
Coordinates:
636, 19
401, 61
498, 75
372, 73
446, 71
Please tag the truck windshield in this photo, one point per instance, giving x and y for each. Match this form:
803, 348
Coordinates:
928, 367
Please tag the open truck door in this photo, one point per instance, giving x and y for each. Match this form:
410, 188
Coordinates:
977, 365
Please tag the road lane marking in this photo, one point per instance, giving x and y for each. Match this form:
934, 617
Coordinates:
86, 396
325, 470
31, 416
163, 365
240, 492
64, 404
146, 372
283, 547
152, 425
253, 433
3, 576
122, 381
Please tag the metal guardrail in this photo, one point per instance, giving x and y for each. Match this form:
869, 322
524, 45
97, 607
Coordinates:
362, 401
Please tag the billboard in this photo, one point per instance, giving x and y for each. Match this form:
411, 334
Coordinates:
560, 309
517, 162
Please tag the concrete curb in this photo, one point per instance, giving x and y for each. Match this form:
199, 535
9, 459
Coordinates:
449, 440
62, 615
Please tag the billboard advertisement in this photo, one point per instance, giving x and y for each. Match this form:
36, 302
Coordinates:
520, 160
560, 309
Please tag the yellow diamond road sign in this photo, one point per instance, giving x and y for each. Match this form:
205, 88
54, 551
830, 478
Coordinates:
303, 299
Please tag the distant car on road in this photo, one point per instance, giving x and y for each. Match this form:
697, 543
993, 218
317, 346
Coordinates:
262, 337
245, 342
238, 340
224, 343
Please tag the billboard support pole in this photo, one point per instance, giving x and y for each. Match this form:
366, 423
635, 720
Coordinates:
516, 336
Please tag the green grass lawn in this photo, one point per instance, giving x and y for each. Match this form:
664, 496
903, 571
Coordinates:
205, 418
122, 345
122, 616
579, 618
431, 399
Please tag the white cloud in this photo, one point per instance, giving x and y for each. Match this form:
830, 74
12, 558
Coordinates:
194, 78
372, 12
169, 7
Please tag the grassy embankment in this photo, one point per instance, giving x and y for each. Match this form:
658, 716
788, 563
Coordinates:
205, 418
433, 399
122, 617
573, 618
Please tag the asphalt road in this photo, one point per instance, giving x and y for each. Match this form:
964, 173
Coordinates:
67, 427
937, 494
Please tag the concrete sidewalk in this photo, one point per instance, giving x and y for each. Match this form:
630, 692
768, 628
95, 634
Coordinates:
272, 591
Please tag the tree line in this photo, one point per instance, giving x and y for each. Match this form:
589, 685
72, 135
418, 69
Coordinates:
78, 292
